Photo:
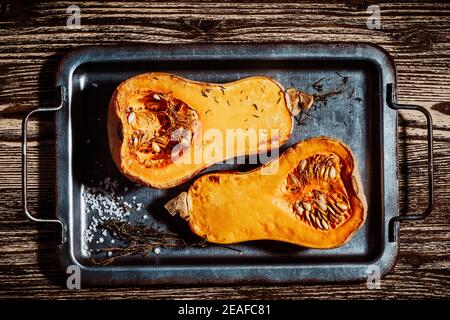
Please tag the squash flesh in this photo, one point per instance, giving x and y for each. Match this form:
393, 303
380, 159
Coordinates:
245, 105
235, 207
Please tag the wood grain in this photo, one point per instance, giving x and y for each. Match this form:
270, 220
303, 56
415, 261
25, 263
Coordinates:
34, 36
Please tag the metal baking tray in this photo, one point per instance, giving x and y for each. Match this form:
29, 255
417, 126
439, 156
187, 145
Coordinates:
363, 115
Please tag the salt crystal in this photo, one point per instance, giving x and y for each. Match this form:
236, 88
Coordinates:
102, 203
127, 205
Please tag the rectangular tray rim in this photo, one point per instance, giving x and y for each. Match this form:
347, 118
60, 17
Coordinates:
211, 274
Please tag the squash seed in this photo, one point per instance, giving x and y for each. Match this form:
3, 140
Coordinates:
331, 211
131, 117
303, 165
337, 209
322, 171
156, 147
298, 208
321, 204
342, 205
319, 224
307, 206
308, 216
332, 173
294, 179
326, 174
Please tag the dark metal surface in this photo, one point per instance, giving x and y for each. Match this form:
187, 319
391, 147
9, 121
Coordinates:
359, 116
393, 224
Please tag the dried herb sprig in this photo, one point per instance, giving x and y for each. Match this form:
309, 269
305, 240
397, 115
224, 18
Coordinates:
318, 86
328, 94
321, 97
303, 117
141, 239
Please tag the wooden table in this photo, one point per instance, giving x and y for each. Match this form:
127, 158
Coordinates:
33, 37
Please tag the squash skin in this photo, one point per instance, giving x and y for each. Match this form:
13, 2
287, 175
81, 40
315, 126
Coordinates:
225, 107
233, 207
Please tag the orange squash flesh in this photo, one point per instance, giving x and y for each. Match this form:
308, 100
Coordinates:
232, 207
143, 134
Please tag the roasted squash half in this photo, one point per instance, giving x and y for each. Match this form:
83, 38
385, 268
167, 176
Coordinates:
310, 196
164, 129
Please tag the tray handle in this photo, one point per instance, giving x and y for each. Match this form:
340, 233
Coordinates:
394, 222
24, 166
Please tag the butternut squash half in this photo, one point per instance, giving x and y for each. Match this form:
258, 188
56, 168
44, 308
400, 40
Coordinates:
160, 125
310, 196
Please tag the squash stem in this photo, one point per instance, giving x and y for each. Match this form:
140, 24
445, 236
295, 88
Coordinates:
179, 205
299, 101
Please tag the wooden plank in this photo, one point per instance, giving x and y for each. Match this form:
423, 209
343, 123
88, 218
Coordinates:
34, 37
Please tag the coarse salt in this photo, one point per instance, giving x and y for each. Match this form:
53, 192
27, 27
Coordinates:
101, 204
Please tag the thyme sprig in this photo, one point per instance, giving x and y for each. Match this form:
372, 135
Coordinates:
141, 239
